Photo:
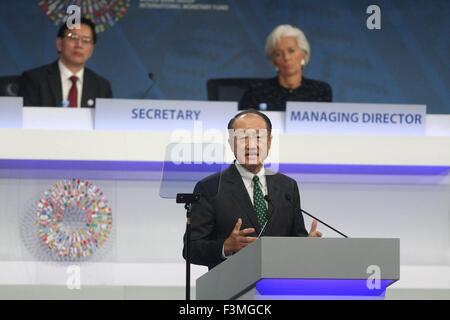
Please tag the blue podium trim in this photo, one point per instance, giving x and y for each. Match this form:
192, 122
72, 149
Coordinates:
320, 287
157, 166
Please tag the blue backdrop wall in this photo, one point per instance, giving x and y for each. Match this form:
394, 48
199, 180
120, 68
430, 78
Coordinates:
184, 44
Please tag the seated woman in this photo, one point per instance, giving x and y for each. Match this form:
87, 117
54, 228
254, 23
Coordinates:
289, 51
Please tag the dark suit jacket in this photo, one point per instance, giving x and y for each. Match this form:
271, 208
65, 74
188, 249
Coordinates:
224, 199
41, 87
275, 96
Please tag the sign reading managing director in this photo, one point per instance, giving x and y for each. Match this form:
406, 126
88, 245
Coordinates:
161, 115
355, 118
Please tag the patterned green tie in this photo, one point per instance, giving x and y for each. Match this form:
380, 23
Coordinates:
259, 204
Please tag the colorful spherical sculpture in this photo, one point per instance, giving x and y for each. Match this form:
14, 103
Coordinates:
73, 220
104, 13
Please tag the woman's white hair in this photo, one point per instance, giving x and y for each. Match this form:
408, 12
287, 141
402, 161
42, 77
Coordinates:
286, 30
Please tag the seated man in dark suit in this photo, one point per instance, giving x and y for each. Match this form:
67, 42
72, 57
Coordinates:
67, 82
244, 201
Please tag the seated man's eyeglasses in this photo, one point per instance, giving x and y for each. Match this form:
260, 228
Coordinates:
74, 38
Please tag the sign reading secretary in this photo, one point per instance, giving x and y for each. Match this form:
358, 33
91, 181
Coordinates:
165, 114
161, 115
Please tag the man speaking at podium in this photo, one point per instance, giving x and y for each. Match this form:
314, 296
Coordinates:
244, 201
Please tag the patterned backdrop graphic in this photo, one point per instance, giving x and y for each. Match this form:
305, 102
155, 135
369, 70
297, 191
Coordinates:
186, 42
102, 12
72, 221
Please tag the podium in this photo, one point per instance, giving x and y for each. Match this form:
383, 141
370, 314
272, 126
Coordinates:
305, 268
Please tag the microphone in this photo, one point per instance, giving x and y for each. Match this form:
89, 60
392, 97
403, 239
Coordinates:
267, 198
151, 76
288, 198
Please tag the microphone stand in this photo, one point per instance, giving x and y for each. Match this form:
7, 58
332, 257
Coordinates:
323, 223
188, 199
151, 77
269, 201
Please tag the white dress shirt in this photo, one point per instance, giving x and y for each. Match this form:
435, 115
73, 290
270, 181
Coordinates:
66, 83
247, 178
